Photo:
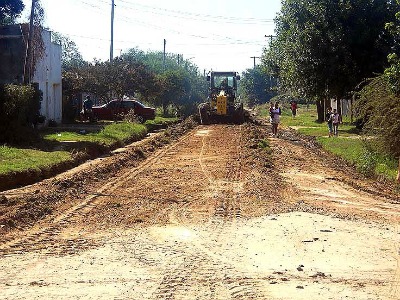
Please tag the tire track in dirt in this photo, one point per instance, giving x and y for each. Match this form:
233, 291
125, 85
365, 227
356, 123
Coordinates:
317, 182
44, 236
320, 186
201, 262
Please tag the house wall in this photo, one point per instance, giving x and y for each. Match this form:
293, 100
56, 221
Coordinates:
47, 70
12, 54
48, 76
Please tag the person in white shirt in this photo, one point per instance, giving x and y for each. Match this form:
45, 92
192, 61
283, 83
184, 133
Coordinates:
275, 118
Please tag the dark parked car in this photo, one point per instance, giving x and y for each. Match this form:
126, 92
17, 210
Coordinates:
115, 109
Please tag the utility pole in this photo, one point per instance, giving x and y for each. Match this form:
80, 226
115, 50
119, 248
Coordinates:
254, 58
112, 32
28, 54
270, 37
165, 43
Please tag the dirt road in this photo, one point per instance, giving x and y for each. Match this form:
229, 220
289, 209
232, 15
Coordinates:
213, 215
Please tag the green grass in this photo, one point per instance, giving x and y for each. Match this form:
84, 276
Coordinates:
357, 152
349, 145
161, 120
14, 160
110, 134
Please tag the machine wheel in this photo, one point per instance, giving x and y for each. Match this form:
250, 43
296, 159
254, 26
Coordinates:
238, 117
203, 112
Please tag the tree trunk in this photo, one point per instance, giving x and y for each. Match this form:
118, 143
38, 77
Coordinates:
398, 172
320, 110
165, 108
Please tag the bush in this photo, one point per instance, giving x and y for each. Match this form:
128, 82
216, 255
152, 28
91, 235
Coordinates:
19, 112
379, 108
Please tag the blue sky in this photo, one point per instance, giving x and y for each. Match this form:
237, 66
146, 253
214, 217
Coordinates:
218, 35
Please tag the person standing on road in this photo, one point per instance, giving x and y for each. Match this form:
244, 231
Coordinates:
271, 107
329, 120
275, 119
293, 107
336, 120
87, 108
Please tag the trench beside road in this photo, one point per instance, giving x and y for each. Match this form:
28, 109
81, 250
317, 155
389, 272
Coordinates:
214, 216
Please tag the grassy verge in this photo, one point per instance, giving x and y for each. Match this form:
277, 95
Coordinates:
17, 160
109, 135
349, 145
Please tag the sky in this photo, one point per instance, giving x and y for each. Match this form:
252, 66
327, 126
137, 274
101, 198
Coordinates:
217, 35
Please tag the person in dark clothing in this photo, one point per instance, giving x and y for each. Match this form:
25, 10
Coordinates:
87, 108
329, 120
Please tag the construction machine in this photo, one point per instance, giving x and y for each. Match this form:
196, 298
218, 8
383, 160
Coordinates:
222, 104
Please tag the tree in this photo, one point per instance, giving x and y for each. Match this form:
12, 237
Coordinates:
35, 45
256, 86
181, 84
324, 48
70, 56
106, 80
379, 103
10, 10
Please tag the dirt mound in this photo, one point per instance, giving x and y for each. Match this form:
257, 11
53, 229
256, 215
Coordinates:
23, 207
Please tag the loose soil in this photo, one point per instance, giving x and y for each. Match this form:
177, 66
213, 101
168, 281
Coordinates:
204, 213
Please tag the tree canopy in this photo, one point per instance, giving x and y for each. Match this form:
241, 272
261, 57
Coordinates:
70, 56
136, 73
379, 102
10, 10
256, 86
324, 48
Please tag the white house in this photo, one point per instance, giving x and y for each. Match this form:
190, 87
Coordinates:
47, 70
48, 76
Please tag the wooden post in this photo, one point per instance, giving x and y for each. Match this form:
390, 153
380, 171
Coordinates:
28, 54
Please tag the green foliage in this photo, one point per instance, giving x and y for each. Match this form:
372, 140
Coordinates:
359, 152
10, 10
111, 134
325, 48
103, 79
136, 73
70, 56
19, 111
379, 107
180, 83
256, 86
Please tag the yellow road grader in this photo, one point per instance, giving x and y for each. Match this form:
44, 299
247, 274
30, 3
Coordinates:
222, 104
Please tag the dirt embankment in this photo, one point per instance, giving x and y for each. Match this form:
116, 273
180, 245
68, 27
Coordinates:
210, 215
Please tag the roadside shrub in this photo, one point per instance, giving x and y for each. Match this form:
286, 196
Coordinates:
367, 162
379, 107
19, 110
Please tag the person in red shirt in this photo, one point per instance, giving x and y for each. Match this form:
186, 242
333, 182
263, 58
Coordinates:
293, 107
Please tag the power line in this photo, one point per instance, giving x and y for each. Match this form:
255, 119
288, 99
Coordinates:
184, 14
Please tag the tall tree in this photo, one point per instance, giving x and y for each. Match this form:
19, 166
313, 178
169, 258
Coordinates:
182, 85
256, 86
10, 10
70, 56
326, 47
379, 102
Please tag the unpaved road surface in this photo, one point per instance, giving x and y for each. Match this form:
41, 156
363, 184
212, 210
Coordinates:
212, 215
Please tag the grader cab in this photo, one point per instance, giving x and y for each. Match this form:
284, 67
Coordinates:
222, 104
